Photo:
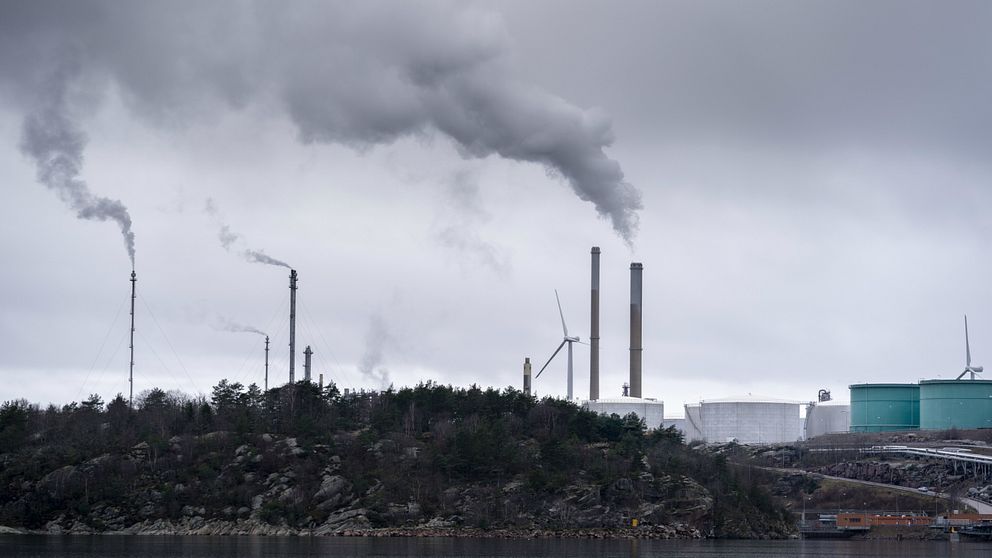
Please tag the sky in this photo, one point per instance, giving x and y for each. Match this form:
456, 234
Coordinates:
806, 185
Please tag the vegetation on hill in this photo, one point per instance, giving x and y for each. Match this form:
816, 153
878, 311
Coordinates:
300, 456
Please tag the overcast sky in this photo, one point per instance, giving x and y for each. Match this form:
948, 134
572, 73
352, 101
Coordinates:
806, 183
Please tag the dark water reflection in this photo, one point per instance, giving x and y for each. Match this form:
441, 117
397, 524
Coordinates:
258, 547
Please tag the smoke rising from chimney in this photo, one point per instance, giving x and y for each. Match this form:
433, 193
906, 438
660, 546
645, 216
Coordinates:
51, 137
221, 323
231, 240
358, 74
376, 338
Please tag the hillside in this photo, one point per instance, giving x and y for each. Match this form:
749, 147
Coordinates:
299, 459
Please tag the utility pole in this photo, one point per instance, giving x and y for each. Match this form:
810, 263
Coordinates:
130, 375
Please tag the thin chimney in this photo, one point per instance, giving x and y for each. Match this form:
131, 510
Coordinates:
266, 363
307, 353
130, 374
594, 329
527, 377
635, 329
292, 325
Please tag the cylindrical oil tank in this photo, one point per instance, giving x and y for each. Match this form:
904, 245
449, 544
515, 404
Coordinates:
827, 417
955, 404
750, 420
885, 407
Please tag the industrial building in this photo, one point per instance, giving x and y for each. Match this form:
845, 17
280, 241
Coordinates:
955, 404
750, 420
651, 410
885, 407
826, 417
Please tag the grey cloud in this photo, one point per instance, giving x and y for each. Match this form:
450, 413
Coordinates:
463, 212
358, 74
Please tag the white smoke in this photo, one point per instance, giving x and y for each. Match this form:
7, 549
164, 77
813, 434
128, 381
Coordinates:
376, 337
360, 74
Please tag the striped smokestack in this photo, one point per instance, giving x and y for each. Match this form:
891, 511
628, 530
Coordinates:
635, 329
594, 329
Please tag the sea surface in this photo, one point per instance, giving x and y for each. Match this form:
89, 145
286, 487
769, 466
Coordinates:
250, 547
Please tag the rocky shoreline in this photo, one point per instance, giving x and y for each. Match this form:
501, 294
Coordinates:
164, 527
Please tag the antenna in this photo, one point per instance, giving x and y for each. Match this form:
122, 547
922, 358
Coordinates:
292, 324
266, 362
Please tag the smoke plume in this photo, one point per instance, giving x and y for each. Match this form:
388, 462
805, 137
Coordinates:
55, 142
376, 338
221, 323
233, 242
359, 74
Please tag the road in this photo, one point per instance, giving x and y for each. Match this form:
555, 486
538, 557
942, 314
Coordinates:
979, 506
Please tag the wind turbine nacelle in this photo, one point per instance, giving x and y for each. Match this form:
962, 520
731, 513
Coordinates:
576, 339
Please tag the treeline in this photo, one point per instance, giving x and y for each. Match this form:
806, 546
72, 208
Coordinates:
416, 446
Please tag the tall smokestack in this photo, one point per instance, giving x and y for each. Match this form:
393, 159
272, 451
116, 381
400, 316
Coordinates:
307, 353
266, 363
594, 329
130, 374
527, 377
292, 325
635, 329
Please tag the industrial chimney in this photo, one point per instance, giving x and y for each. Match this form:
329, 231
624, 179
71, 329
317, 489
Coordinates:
292, 325
130, 374
307, 353
635, 329
594, 329
266, 363
527, 377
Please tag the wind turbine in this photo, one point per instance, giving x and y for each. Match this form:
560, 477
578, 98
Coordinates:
968, 368
568, 340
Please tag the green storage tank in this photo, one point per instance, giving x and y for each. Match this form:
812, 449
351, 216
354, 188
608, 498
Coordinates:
885, 407
955, 404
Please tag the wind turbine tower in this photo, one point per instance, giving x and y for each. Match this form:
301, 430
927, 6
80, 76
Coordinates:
567, 339
968, 368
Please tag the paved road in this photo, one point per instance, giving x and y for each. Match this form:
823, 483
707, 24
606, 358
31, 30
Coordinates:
980, 506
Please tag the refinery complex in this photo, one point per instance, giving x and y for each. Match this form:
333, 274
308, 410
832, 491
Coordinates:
937, 404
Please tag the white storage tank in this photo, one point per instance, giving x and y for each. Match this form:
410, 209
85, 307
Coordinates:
693, 423
651, 410
827, 417
750, 420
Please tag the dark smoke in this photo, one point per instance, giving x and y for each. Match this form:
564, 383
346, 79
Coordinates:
55, 142
376, 338
228, 239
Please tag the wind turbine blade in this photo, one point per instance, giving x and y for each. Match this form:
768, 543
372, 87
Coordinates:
550, 359
967, 343
562, 314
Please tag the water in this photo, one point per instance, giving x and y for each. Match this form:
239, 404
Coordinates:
258, 547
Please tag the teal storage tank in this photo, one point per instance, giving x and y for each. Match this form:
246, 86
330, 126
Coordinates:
885, 407
955, 404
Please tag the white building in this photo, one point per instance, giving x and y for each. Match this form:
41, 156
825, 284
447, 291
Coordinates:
827, 417
749, 420
651, 410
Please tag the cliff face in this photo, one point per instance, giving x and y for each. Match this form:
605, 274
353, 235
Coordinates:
514, 467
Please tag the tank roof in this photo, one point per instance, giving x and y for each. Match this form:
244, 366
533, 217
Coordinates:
633, 400
953, 381
908, 385
750, 399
